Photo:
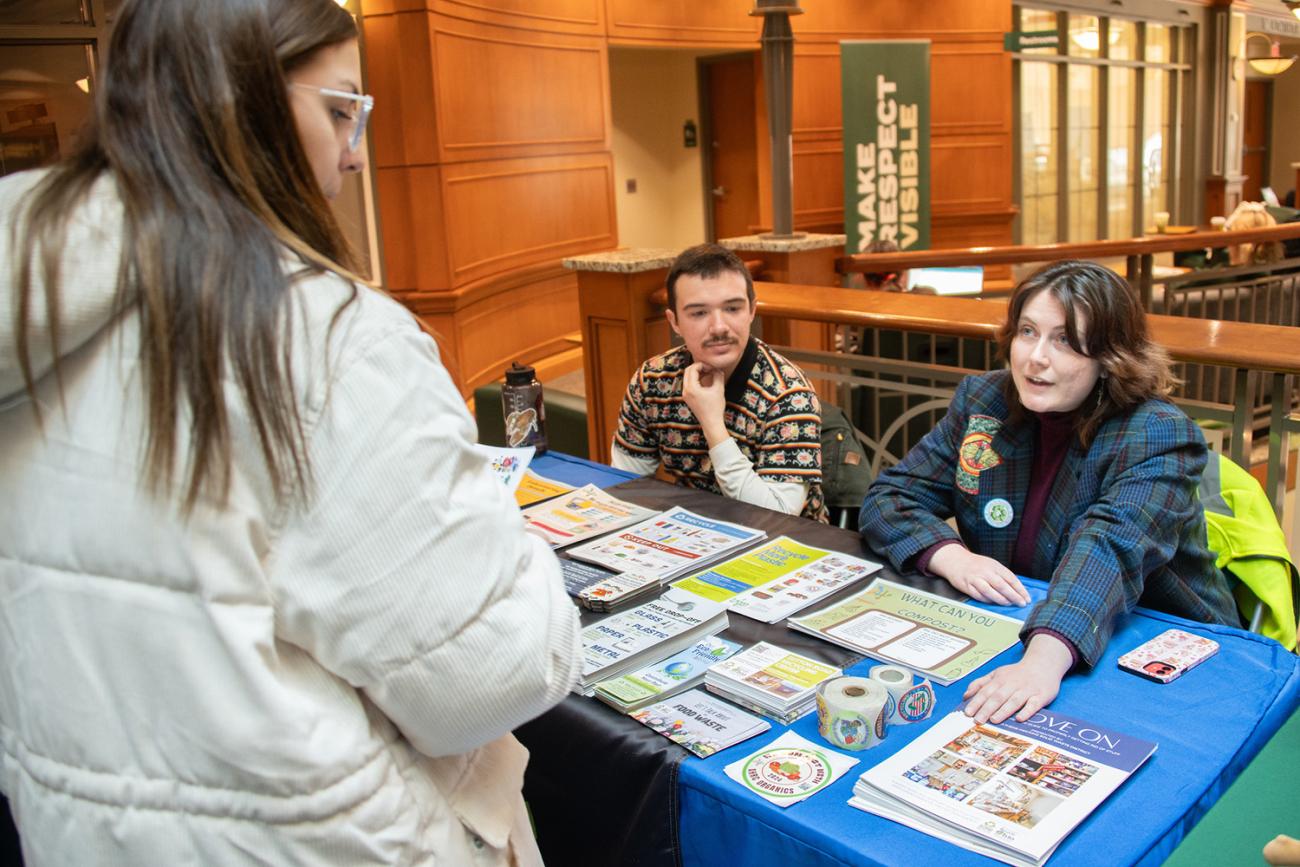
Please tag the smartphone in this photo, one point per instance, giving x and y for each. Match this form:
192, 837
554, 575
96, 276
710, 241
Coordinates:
1168, 656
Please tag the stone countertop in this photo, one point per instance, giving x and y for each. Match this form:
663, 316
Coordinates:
768, 244
623, 261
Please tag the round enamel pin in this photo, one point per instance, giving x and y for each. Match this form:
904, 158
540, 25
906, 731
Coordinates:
997, 513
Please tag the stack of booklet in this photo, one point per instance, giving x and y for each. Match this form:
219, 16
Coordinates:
652, 630
1011, 791
580, 515
664, 546
700, 723
617, 590
665, 678
770, 680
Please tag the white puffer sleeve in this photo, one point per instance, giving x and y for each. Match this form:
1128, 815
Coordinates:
410, 575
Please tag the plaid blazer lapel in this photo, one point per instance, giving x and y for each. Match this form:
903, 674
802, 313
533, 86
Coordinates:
1008, 481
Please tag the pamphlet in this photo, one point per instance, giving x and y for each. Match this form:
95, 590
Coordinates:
652, 630
938, 638
534, 488
790, 769
1011, 791
797, 576
582, 514
509, 465
701, 723
779, 682
618, 589
665, 678
579, 576
667, 545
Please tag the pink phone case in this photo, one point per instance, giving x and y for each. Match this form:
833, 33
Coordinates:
1167, 656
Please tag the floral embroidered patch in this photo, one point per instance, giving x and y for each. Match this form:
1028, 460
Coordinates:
976, 453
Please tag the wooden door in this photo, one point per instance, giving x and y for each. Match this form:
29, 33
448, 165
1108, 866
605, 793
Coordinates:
1254, 145
732, 139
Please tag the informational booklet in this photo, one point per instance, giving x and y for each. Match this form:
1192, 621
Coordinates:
580, 515
778, 578
790, 769
534, 488
667, 545
618, 589
579, 576
780, 682
509, 465
939, 638
1011, 791
652, 630
700, 722
667, 677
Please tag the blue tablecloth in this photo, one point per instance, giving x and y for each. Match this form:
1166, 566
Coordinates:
1208, 724
577, 471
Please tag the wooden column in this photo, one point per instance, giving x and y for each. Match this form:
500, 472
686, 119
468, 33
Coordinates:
809, 260
621, 328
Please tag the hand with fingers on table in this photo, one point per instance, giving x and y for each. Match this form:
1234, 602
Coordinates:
979, 577
1022, 688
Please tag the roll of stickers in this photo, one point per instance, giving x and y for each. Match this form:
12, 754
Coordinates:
851, 712
908, 702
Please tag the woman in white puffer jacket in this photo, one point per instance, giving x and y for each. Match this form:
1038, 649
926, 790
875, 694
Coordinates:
259, 600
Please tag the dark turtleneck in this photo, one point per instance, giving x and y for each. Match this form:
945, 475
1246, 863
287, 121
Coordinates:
1055, 434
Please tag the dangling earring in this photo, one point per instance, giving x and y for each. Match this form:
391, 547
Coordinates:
1101, 388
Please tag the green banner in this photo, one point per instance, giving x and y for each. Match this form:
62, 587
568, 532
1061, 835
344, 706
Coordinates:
1019, 40
886, 87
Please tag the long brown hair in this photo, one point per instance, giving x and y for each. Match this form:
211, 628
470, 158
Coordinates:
193, 123
1115, 334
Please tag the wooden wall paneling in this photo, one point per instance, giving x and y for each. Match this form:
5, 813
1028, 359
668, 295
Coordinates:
524, 323
388, 7
854, 19
970, 87
399, 70
584, 17
503, 92
819, 184
505, 214
970, 175
409, 199
682, 22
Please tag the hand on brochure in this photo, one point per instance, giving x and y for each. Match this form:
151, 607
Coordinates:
1027, 686
704, 390
979, 577
1282, 850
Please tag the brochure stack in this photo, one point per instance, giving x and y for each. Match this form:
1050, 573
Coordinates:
770, 680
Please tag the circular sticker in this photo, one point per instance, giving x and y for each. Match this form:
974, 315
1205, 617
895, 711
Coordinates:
787, 772
997, 513
916, 704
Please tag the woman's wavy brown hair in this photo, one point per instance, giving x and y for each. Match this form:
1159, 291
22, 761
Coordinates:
193, 122
1103, 320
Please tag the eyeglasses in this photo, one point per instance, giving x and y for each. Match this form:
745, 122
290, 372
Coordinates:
366, 104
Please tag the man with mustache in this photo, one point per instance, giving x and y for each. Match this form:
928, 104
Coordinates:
723, 412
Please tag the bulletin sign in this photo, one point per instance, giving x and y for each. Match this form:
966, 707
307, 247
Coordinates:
886, 87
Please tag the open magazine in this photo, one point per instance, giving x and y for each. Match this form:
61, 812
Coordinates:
1011, 791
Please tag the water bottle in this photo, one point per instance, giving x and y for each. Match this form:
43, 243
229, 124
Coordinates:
521, 404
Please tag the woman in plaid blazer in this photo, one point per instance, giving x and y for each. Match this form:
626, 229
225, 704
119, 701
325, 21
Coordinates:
1069, 466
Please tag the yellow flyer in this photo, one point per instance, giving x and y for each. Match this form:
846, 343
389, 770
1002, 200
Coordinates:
534, 488
763, 565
